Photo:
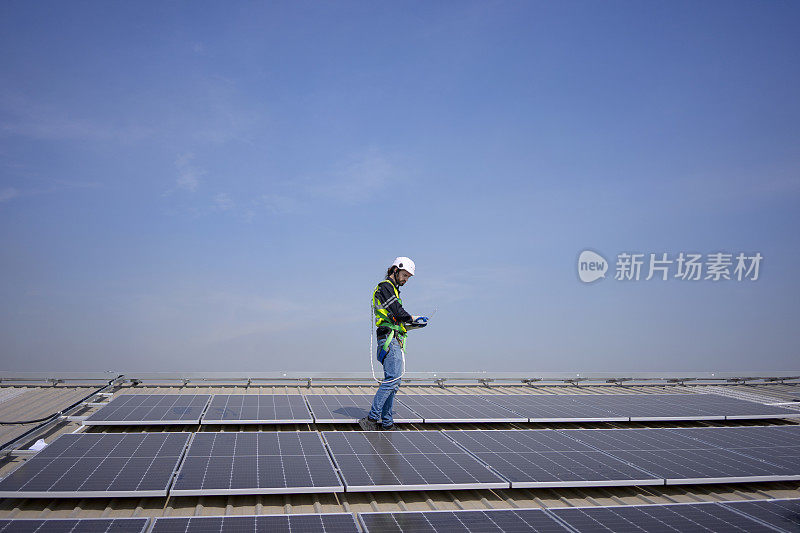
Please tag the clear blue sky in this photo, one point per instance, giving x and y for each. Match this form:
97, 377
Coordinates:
215, 186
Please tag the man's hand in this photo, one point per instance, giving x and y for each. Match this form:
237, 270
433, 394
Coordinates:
418, 322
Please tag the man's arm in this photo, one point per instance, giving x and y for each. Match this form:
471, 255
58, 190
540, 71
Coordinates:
386, 298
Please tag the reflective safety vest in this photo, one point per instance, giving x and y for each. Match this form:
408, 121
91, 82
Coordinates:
386, 320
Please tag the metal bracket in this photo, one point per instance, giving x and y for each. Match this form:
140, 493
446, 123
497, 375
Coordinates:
530, 381
440, 382
308, 383
618, 381
485, 381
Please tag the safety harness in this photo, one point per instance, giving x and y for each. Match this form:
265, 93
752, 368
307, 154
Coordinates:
386, 320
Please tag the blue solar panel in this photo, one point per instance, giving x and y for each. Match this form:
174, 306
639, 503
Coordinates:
782, 514
298, 523
448, 408
706, 517
99, 465
406, 460
344, 408
688, 456
257, 409
150, 409
477, 521
73, 525
755, 517
256, 463
548, 458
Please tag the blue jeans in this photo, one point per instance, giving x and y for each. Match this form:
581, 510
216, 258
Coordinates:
384, 399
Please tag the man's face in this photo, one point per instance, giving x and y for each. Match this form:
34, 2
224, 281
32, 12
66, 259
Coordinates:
402, 277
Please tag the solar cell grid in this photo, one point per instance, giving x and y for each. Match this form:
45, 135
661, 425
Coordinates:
299, 523
150, 409
406, 460
636, 407
74, 525
561, 408
679, 459
709, 517
256, 463
257, 409
444, 408
548, 458
783, 514
518, 520
344, 408
99, 465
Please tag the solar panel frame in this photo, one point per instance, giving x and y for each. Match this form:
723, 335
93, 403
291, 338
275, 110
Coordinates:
72, 525
300, 522
362, 456
184, 487
45, 462
523, 461
350, 408
458, 408
135, 410
221, 411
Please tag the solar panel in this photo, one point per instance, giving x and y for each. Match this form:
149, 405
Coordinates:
777, 445
710, 517
752, 516
635, 407
444, 408
256, 463
150, 409
679, 458
516, 520
783, 514
555, 408
647, 407
297, 523
257, 409
74, 525
99, 465
406, 460
740, 409
548, 458
349, 408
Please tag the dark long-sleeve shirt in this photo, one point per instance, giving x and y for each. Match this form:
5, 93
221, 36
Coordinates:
385, 294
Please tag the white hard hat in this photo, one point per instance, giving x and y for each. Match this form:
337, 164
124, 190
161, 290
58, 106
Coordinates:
404, 263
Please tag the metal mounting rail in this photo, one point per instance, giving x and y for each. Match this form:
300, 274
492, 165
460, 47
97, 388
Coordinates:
432, 378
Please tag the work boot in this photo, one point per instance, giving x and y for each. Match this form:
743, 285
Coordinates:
389, 428
368, 424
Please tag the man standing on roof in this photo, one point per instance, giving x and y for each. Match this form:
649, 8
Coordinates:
392, 322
